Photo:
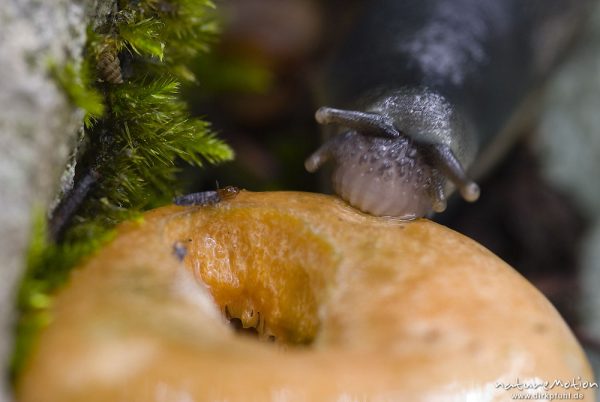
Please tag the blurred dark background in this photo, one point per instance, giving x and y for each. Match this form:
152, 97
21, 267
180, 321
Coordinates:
259, 88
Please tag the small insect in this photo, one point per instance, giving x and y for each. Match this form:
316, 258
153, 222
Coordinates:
179, 250
69, 205
195, 200
204, 198
109, 65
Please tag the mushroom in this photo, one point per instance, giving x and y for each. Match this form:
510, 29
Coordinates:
343, 305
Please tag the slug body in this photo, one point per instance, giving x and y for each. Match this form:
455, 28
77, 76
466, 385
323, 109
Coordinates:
425, 86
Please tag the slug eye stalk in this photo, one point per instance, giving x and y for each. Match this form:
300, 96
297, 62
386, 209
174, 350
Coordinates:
442, 158
366, 123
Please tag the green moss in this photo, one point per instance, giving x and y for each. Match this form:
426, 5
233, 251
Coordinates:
135, 131
142, 36
76, 83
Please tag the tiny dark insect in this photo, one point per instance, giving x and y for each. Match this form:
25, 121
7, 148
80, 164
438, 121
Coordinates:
179, 250
207, 197
69, 205
109, 65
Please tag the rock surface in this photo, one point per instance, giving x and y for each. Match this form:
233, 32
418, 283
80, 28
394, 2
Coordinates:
38, 127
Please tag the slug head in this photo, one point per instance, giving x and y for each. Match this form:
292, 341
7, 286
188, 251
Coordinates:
381, 171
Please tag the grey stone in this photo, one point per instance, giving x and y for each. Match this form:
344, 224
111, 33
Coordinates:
38, 128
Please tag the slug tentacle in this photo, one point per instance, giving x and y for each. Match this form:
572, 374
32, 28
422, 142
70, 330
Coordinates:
318, 158
444, 159
367, 123
438, 197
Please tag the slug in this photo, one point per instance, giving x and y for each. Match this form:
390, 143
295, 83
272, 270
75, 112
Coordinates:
424, 90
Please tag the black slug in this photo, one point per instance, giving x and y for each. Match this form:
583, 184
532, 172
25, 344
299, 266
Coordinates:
425, 88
